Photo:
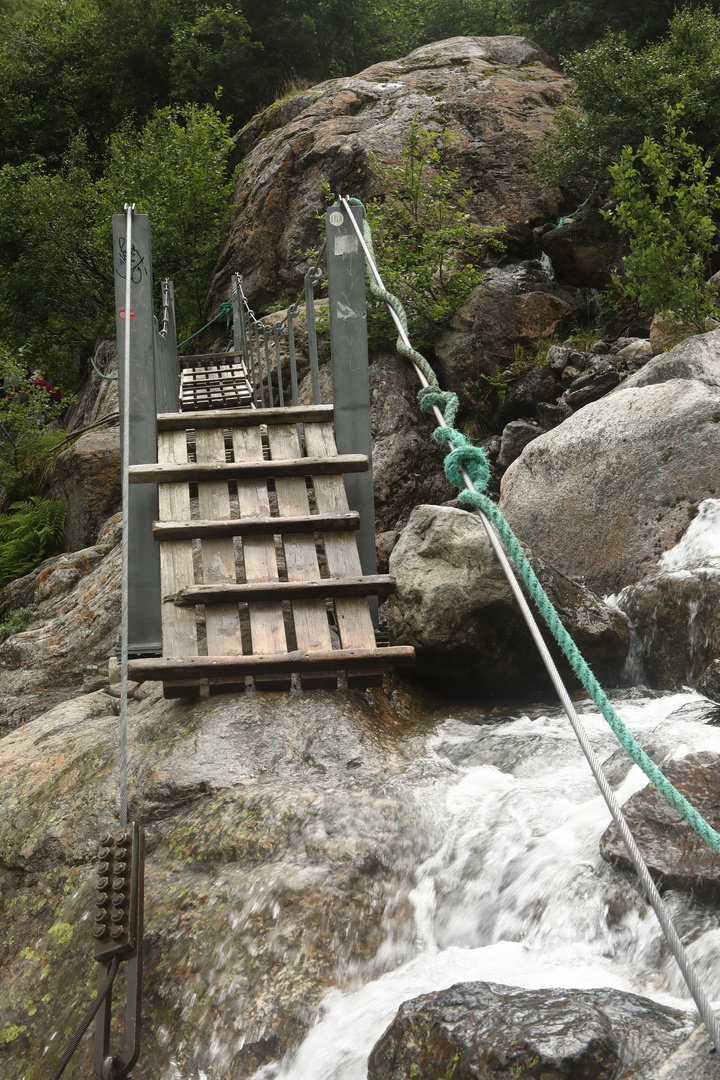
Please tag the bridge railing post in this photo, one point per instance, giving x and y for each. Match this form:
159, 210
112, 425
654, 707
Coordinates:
145, 631
167, 374
350, 374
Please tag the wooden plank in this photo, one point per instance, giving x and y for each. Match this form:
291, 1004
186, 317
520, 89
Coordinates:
267, 627
211, 470
208, 356
263, 526
353, 614
179, 629
310, 617
222, 621
302, 589
252, 664
234, 417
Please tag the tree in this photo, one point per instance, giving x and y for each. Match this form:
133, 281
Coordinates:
620, 96
564, 26
665, 206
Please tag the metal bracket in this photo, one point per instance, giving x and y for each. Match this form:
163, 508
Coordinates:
118, 932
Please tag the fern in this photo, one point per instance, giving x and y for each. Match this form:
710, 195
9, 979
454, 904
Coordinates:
31, 532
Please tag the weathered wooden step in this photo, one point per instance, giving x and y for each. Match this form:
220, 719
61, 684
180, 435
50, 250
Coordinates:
259, 526
208, 356
204, 667
248, 470
228, 418
255, 591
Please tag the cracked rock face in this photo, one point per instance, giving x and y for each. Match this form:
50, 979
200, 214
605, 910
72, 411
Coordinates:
493, 97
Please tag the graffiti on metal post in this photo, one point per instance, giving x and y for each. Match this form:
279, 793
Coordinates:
138, 269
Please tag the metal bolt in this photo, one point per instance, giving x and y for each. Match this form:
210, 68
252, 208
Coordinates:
100, 916
106, 839
117, 916
121, 838
101, 898
100, 932
103, 867
103, 853
120, 867
118, 884
102, 883
120, 852
117, 932
118, 899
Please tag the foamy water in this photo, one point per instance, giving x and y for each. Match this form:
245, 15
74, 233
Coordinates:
700, 542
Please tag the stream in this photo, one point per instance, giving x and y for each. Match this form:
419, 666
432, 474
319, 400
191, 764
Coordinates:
514, 890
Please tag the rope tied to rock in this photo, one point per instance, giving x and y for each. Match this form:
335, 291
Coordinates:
464, 455
225, 309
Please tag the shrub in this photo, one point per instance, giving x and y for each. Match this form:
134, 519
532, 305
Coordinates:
31, 532
26, 437
428, 247
665, 206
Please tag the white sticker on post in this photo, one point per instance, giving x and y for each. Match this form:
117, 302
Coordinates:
346, 245
336, 218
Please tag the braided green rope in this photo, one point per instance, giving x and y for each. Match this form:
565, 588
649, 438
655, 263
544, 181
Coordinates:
225, 309
473, 460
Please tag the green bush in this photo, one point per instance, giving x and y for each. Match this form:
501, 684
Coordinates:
30, 533
665, 206
428, 247
620, 96
27, 433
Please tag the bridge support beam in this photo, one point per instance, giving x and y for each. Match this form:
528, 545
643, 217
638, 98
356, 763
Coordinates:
350, 377
145, 630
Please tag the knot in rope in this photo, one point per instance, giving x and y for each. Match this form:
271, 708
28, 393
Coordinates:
464, 456
226, 308
446, 401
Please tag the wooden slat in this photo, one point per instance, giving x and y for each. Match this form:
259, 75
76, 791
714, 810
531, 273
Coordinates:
261, 526
353, 614
218, 559
267, 628
234, 417
211, 470
222, 593
208, 356
310, 617
179, 630
356, 660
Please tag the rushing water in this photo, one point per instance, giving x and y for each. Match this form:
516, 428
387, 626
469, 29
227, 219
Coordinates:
515, 890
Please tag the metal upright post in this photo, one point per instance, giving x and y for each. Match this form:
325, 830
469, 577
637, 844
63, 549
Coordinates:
350, 376
145, 630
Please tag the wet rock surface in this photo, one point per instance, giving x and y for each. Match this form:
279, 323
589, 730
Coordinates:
494, 97
676, 856
276, 840
634, 467
485, 1030
584, 251
453, 604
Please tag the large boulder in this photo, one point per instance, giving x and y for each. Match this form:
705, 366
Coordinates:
584, 251
277, 832
453, 603
493, 97
474, 1030
603, 495
86, 477
675, 855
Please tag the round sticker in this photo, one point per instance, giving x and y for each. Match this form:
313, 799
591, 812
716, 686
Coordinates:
336, 218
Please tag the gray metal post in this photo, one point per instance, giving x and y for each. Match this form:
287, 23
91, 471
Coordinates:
145, 631
350, 377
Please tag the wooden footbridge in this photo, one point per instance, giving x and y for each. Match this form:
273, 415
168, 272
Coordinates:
259, 573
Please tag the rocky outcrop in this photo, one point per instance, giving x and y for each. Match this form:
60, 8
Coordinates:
86, 477
97, 396
484, 1030
493, 97
584, 251
454, 605
276, 839
72, 631
605, 493
675, 855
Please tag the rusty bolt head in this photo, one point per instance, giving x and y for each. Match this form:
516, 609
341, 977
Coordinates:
103, 867
100, 932
120, 852
117, 932
102, 883
118, 915
121, 838
103, 853
101, 898
118, 884
100, 915
106, 839
120, 867
118, 899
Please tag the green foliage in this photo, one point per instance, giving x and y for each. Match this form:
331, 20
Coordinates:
56, 231
18, 619
562, 26
26, 410
620, 96
665, 206
31, 532
428, 247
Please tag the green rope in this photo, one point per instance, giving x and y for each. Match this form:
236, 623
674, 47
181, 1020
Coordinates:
474, 461
225, 309
111, 377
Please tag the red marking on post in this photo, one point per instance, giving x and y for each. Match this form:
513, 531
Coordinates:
122, 314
